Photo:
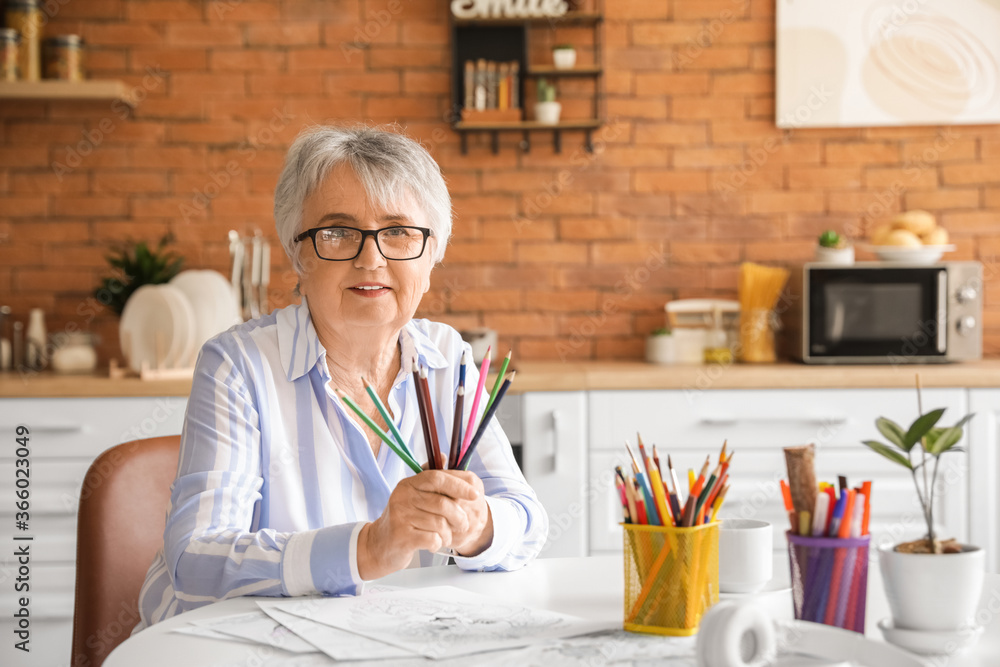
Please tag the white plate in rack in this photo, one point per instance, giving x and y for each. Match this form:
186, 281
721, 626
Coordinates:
182, 344
213, 304
146, 330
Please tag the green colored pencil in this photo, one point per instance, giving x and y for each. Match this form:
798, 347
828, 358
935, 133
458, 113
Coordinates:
407, 459
385, 415
496, 386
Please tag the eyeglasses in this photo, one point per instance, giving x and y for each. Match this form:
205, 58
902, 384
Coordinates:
340, 244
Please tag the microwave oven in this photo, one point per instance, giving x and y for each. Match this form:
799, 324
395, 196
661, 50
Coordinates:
884, 313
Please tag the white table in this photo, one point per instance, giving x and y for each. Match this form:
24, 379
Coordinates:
587, 587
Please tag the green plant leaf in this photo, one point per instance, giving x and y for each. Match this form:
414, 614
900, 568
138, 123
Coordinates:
893, 432
888, 452
920, 426
940, 440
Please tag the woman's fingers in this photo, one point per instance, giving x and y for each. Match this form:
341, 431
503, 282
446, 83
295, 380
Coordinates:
451, 483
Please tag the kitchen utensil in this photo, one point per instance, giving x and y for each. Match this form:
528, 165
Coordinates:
148, 330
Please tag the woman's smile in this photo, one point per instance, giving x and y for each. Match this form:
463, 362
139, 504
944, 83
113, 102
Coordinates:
370, 290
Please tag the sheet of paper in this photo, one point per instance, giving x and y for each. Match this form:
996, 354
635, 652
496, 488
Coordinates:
334, 642
198, 631
258, 627
613, 647
441, 621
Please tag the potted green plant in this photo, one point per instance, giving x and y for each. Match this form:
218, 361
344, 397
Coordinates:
933, 585
833, 248
136, 264
547, 110
564, 56
660, 346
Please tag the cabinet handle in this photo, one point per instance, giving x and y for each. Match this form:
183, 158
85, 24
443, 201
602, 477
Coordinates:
558, 419
50, 428
722, 420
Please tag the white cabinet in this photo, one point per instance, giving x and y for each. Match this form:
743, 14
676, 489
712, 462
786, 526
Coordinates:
66, 435
758, 424
554, 461
984, 467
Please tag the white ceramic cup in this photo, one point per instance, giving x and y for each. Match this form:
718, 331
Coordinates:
746, 562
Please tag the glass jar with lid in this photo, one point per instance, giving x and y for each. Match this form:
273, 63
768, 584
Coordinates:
9, 43
64, 58
26, 17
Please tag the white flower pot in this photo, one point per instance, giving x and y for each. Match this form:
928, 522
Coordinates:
564, 58
835, 255
660, 349
933, 592
547, 113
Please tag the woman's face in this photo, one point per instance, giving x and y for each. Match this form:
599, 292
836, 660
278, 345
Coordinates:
334, 289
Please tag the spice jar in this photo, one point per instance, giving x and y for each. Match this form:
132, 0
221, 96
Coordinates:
64, 58
9, 40
25, 16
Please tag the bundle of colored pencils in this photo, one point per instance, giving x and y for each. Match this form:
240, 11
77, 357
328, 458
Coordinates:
647, 498
818, 510
461, 448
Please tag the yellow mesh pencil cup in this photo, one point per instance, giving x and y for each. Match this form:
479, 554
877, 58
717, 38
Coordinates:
671, 577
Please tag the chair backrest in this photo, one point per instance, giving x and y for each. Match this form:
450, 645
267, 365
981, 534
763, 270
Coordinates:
122, 514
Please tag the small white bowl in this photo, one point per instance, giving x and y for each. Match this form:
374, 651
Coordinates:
926, 642
927, 254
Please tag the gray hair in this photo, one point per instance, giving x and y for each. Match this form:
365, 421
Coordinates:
387, 163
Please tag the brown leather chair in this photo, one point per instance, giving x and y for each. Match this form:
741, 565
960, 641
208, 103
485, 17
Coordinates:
123, 507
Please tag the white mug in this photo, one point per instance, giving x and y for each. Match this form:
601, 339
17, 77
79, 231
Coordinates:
746, 562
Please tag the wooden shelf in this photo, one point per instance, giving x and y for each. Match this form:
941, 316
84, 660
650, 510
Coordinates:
569, 18
584, 124
588, 125
93, 89
548, 70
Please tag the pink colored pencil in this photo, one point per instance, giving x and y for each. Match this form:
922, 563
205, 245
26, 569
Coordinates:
471, 430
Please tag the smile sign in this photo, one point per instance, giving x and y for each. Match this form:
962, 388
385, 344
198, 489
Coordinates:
474, 9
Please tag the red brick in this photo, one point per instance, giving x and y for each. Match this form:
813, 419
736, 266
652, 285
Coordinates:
282, 33
45, 280
699, 108
804, 178
970, 222
97, 206
561, 300
552, 253
636, 9
861, 152
285, 84
696, 252
369, 82
707, 157
24, 156
476, 300
715, 58
785, 202
130, 182
401, 56
226, 10
942, 199
426, 83
781, 251
170, 59
662, 180
432, 33
48, 182
723, 11
215, 132
323, 59
204, 34
462, 252
184, 84
671, 133
123, 34
671, 83
531, 324
47, 231
163, 10
626, 252
894, 177
20, 206
969, 174
639, 59
247, 60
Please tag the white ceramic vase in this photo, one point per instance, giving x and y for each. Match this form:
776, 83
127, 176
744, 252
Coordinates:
660, 349
843, 256
547, 113
933, 592
564, 58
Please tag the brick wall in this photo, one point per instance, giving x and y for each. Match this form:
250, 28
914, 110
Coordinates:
568, 256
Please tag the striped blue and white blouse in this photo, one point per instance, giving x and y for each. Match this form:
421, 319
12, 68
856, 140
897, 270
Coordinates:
275, 479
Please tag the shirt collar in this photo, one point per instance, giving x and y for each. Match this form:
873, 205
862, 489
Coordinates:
300, 349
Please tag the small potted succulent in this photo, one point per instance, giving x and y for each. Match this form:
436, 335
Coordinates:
933, 585
660, 347
832, 248
547, 110
564, 56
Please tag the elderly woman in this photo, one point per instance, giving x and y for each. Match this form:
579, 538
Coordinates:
280, 490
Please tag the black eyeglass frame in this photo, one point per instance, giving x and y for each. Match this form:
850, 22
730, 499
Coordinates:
365, 233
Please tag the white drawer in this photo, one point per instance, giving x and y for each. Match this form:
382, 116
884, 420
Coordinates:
85, 427
50, 645
768, 417
54, 539
54, 485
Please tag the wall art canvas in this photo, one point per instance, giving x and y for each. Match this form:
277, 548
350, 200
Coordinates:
860, 63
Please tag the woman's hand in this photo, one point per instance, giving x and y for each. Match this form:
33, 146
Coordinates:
431, 510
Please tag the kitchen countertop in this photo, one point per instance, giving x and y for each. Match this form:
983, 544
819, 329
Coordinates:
581, 375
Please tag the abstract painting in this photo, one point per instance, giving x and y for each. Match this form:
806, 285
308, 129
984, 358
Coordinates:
862, 63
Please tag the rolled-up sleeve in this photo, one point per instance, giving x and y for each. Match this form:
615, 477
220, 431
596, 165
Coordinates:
211, 548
